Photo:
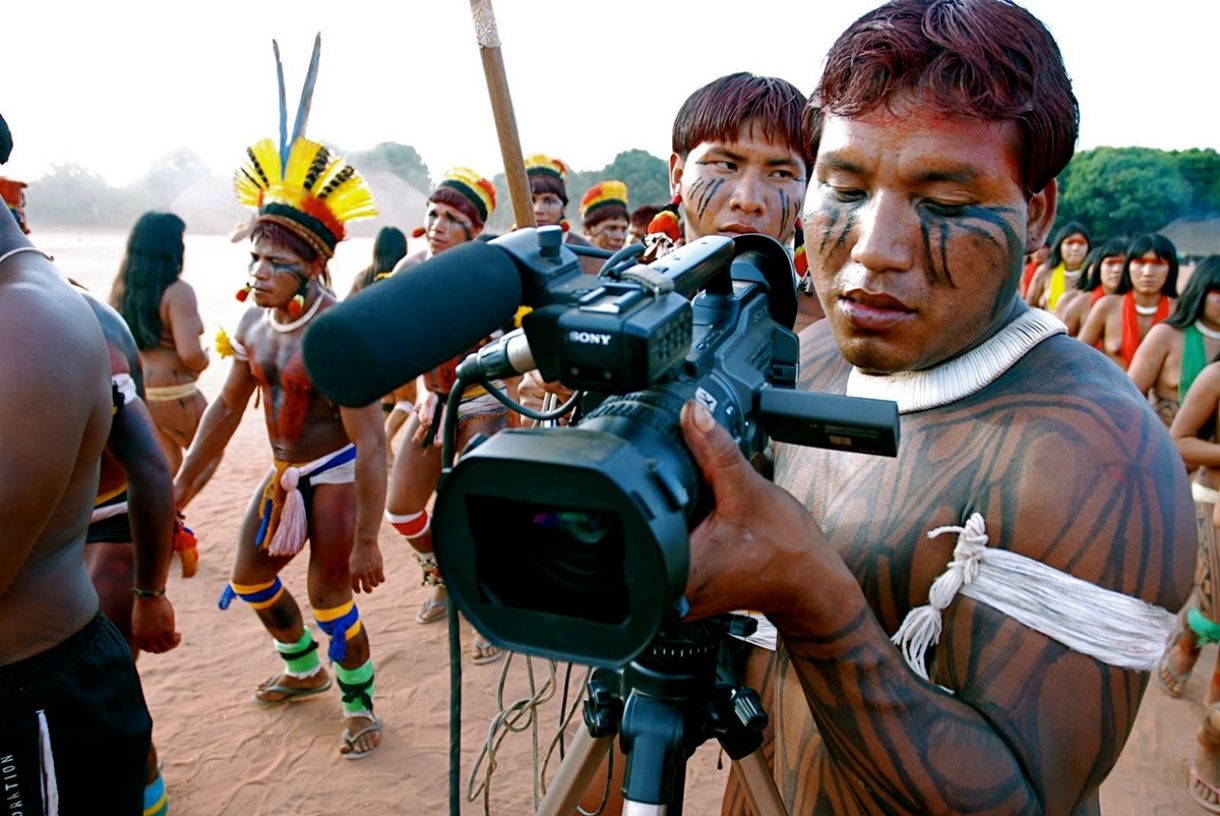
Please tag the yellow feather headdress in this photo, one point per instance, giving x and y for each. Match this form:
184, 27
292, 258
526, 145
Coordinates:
303, 186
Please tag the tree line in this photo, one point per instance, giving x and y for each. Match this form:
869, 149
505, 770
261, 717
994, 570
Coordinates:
1112, 190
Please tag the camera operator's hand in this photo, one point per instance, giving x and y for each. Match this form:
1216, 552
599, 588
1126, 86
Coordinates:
759, 548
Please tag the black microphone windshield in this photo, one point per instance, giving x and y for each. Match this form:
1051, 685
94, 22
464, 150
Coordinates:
411, 322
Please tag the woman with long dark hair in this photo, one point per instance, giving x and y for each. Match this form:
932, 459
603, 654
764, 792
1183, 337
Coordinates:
1062, 269
161, 311
1174, 352
1145, 297
1103, 272
389, 247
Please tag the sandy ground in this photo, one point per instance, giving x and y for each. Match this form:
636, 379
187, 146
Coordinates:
225, 755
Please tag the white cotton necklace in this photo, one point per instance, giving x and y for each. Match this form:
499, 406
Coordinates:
1210, 334
1147, 311
962, 376
13, 252
299, 322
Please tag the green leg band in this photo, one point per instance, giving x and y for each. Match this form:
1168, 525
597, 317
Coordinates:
1205, 630
356, 686
301, 657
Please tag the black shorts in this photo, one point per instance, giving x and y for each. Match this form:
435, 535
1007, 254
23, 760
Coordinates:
114, 529
81, 700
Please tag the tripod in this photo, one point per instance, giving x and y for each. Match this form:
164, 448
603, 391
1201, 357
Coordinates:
669, 700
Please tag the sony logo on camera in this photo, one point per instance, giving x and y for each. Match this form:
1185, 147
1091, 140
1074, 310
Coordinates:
589, 338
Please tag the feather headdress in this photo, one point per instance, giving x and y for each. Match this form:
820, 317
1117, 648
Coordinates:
302, 185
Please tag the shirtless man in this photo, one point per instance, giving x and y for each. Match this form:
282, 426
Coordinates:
74, 730
1145, 297
328, 482
739, 165
929, 185
1174, 352
457, 210
603, 213
131, 533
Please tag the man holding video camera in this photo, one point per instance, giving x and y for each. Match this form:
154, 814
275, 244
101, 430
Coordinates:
937, 130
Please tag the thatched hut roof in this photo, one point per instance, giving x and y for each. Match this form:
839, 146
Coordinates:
1196, 237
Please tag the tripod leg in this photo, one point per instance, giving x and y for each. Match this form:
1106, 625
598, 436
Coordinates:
756, 779
574, 774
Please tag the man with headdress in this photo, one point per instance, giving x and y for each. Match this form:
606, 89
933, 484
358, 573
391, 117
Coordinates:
74, 729
328, 482
604, 215
457, 210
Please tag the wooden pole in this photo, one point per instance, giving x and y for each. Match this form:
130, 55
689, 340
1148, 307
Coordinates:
502, 110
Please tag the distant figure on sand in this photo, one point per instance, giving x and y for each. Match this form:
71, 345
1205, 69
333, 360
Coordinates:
74, 729
328, 481
161, 311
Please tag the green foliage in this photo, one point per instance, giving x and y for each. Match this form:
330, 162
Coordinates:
1133, 190
1200, 168
646, 177
396, 159
75, 196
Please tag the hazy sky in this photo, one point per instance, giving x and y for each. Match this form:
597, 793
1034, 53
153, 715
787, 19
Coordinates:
115, 85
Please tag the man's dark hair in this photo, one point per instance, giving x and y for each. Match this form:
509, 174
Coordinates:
1062, 234
978, 59
1205, 278
641, 217
6, 141
1164, 249
1091, 278
717, 111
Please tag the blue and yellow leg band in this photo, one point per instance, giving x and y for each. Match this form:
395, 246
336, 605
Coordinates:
259, 596
342, 623
356, 685
156, 802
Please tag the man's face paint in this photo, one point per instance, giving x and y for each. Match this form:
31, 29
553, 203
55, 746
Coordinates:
916, 229
745, 186
276, 273
447, 227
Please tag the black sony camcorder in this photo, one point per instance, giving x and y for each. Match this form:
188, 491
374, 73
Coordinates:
572, 542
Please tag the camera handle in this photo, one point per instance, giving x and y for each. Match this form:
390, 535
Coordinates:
663, 714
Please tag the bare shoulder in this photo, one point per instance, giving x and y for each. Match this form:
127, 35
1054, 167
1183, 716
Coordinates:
1162, 335
1085, 474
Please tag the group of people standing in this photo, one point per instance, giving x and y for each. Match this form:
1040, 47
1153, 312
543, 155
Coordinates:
918, 666
1122, 296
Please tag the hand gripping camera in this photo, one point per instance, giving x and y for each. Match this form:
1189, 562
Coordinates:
572, 542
